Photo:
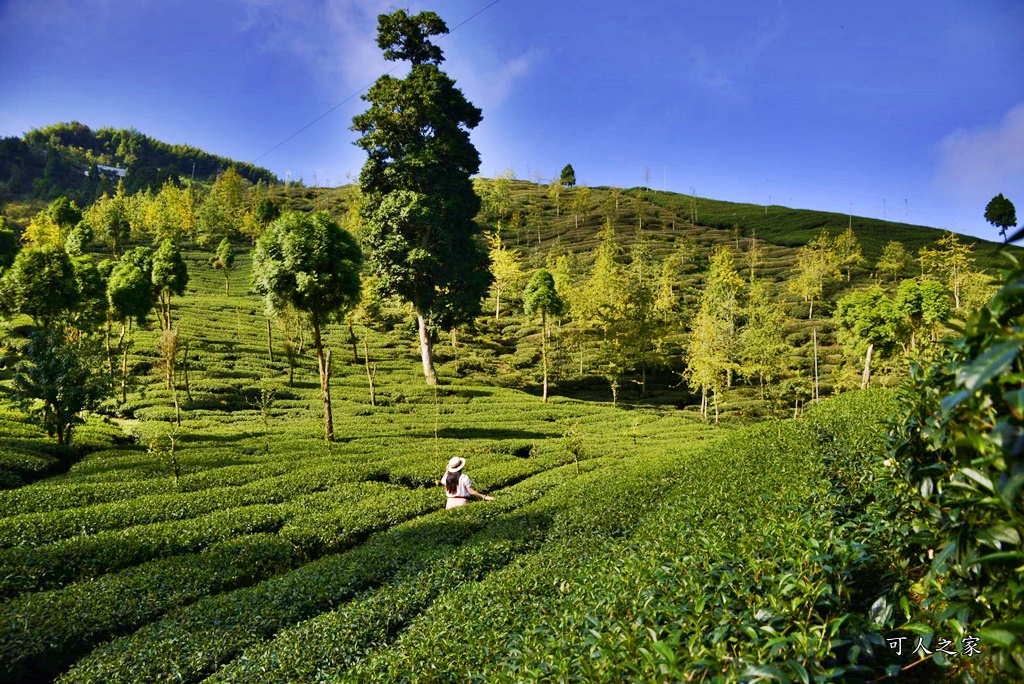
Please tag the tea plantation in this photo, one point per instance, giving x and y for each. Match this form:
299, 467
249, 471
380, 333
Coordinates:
625, 543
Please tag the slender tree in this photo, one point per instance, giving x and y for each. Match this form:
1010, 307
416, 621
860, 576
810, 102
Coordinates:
506, 269
893, 261
170, 277
870, 318
541, 297
953, 262
130, 297
311, 263
225, 261
419, 204
848, 252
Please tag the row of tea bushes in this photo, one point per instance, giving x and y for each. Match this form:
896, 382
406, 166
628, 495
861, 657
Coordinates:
742, 573
48, 627
606, 500
185, 645
32, 568
45, 632
47, 527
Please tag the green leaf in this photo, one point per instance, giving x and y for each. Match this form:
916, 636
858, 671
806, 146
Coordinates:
1002, 533
998, 637
1002, 557
762, 672
978, 477
991, 363
918, 628
950, 402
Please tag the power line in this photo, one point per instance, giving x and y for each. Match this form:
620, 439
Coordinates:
356, 93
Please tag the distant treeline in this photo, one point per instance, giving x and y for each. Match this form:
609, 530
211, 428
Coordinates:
49, 161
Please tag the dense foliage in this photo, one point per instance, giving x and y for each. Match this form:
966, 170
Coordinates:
419, 205
958, 466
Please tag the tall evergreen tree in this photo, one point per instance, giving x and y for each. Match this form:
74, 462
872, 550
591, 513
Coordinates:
568, 178
421, 237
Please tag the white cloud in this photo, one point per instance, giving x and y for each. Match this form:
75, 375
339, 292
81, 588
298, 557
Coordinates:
335, 40
984, 161
489, 87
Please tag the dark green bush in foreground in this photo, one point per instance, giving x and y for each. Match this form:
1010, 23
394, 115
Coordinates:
957, 473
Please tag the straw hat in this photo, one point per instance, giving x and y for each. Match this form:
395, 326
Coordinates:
455, 464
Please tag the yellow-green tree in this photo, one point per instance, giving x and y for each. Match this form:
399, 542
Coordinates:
893, 261
506, 269
710, 354
848, 251
816, 264
952, 263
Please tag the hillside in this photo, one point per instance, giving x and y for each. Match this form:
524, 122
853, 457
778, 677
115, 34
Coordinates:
202, 529
55, 160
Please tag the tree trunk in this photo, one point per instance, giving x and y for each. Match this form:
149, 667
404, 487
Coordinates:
324, 366
227, 284
123, 343
426, 351
544, 352
270, 341
814, 335
188, 390
811, 312
867, 368
497, 303
352, 339
370, 372
110, 360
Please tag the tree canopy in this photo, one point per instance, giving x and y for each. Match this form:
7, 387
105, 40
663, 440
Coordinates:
419, 207
309, 262
1001, 213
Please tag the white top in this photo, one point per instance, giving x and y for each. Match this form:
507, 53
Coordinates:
463, 488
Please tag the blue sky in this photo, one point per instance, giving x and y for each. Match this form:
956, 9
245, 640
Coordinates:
904, 109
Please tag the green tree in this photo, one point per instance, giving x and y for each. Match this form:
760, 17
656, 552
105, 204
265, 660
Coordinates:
59, 377
541, 297
130, 297
170, 277
555, 195
894, 260
9, 245
580, 203
711, 352
951, 263
419, 207
924, 305
762, 343
872, 321
225, 261
568, 177
506, 269
816, 263
222, 213
309, 262
41, 283
65, 213
1001, 213
848, 252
